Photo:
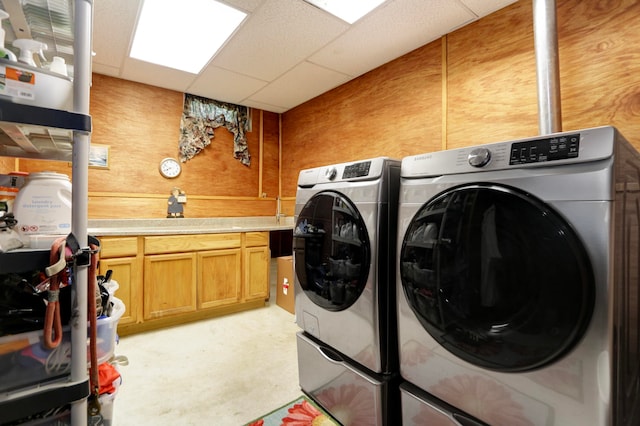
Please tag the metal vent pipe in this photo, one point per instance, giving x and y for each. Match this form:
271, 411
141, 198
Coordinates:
545, 34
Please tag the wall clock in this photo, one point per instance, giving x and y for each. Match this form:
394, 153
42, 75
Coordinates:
170, 168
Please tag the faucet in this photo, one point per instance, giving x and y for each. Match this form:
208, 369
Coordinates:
279, 213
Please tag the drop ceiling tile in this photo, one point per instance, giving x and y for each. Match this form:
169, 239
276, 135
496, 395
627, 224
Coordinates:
223, 85
113, 25
245, 5
302, 83
144, 72
275, 41
484, 7
276, 37
395, 28
264, 107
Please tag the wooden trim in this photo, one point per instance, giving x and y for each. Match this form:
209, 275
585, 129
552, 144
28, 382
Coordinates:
163, 196
280, 155
255, 239
164, 244
112, 247
261, 150
444, 91
158, 323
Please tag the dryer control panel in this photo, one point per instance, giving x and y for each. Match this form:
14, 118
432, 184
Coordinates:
577, 146
540, 150
356, 170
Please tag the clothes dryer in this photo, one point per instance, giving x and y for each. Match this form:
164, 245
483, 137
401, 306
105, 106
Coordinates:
518, 264
344, 259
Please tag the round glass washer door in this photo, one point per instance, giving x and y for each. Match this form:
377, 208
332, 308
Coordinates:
497, 277
332, 251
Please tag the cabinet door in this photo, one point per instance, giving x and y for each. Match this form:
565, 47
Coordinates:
256, 273
125, 273
169, 284
219, 277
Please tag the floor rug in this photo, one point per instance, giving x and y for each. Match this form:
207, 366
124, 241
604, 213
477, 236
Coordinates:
301, 412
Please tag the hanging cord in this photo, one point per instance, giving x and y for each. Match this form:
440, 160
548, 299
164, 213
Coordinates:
94, 377
59, 360
53, 322
52, 333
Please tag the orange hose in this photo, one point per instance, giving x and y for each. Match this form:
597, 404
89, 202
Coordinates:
94, 375
52, 320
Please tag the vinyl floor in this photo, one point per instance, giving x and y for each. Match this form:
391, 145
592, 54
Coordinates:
223, 371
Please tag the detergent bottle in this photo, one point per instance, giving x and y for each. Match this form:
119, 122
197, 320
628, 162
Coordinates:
4, 52
28, 48
43, 206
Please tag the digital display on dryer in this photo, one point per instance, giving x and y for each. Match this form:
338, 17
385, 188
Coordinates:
542, 150
356, 170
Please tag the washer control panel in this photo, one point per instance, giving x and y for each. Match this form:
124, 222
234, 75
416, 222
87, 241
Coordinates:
331, 173
479, 157
363, 170
549, 149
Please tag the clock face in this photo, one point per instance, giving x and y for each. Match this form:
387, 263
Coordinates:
170, 168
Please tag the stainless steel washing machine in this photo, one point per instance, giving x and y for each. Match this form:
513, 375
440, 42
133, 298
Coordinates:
518, 264
344, 259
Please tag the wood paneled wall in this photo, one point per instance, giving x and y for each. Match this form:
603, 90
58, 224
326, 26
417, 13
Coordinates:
141, 124
476, 85
7, 164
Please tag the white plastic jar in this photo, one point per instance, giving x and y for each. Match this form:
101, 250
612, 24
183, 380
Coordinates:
43, 205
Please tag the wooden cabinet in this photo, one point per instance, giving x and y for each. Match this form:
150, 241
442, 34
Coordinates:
256, 273
125, 273
169, 284
219, 277
170, 279
120, 254
256, 266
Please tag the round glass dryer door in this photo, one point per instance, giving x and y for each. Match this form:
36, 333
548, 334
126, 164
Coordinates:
497, 277
332, 252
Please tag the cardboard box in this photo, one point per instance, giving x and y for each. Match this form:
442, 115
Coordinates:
285, 284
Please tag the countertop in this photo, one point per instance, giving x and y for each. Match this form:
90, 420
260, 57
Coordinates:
173, 226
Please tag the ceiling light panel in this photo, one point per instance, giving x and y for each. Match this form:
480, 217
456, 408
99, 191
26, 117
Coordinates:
347, 10
185, 35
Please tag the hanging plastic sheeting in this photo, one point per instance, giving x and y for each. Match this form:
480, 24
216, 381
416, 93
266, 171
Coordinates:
201, 116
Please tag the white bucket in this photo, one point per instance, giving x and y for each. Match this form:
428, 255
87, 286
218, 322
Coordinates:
43, 205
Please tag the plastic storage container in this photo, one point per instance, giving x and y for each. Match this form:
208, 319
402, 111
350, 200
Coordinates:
24, 84
25, 362
43, 205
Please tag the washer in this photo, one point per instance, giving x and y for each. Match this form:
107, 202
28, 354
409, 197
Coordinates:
344, 259
518, 264
344, 252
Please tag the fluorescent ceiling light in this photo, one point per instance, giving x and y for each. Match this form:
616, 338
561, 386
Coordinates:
183, 35
347, 10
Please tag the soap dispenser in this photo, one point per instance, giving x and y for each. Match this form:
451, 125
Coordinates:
28, 48
4, 52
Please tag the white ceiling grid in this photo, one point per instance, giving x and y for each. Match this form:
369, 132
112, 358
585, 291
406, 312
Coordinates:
287, 51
